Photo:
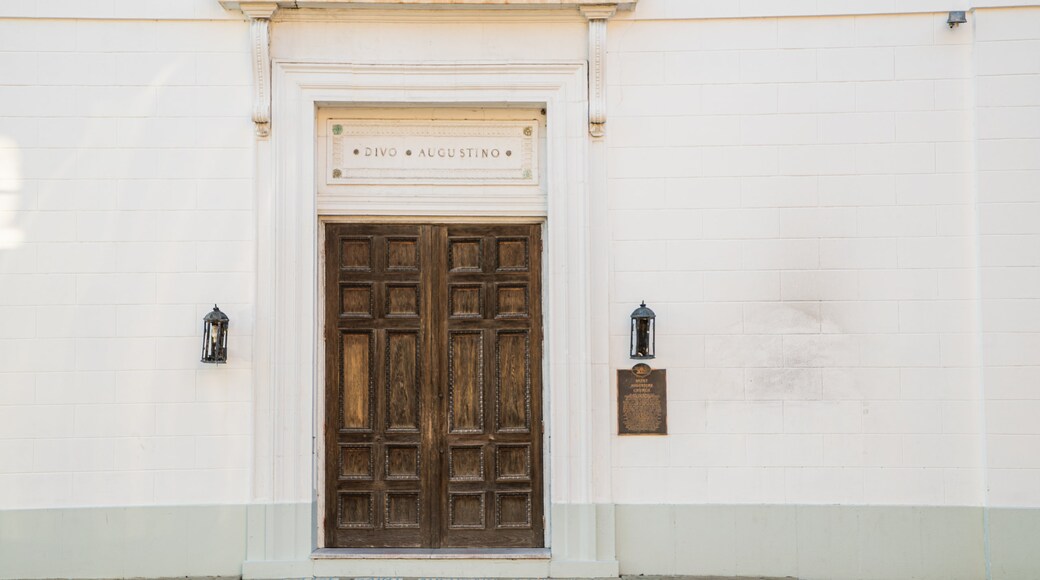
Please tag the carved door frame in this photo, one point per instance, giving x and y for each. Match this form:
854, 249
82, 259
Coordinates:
282, 520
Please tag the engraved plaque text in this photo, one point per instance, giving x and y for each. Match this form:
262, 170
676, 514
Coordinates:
429, 152
642, 401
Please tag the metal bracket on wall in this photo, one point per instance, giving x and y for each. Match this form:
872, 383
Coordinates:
597, 17
260, 14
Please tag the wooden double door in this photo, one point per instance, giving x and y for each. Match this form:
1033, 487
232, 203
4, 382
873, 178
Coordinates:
433, 390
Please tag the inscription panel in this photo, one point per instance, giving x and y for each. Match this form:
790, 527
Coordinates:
429, 152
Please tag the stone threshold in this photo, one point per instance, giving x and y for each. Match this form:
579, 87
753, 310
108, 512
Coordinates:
626, 577
431, 554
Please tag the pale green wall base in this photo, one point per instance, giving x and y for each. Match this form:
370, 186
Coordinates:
1014, 539
827, 542
123, 542
807, 542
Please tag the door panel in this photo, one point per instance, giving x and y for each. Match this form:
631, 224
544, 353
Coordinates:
376, 477
403, 389
465, 382
493, 492
513, 381
357, 396
434, 365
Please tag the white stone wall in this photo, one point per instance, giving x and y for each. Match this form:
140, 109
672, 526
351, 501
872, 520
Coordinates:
794, 197
1009, 223
125, 213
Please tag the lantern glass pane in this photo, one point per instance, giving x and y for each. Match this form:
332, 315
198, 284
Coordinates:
652, 338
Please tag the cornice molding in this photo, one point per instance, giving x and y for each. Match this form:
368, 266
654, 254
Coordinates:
596, 12
439, 4
427, 15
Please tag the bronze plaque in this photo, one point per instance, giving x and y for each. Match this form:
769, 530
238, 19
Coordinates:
642, 401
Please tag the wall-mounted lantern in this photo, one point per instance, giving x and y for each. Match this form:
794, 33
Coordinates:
214, 336
642, 342
956, 17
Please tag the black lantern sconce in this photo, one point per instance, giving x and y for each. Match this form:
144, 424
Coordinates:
643, 339
214, 336
956, 17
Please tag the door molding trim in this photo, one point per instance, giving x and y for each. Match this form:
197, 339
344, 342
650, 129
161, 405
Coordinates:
287, 325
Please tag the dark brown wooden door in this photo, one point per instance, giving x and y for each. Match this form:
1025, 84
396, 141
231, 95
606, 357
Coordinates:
433, 396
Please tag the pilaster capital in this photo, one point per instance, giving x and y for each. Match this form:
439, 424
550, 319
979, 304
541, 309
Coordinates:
256, 10
598, 11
